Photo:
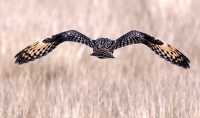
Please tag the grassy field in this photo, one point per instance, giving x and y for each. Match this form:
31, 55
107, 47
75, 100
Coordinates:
69, 83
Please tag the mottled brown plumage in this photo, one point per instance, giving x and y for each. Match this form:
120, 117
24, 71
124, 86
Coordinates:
170, 54
32, 52
103, 47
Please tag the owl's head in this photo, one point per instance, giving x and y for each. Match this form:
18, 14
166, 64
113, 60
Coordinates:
103, 43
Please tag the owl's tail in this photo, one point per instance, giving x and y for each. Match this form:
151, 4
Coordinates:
168, 53
35, 51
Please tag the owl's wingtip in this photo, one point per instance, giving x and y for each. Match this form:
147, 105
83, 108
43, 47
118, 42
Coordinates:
19, 59
185, 63
18, 62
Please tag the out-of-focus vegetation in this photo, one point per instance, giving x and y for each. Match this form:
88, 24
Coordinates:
68, 83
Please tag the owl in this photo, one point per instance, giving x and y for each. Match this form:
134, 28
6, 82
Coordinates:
103, 48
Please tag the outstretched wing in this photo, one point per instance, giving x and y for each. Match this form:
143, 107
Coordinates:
165, 50
41, 48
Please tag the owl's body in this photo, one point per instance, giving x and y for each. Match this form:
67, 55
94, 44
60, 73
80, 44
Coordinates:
103, 47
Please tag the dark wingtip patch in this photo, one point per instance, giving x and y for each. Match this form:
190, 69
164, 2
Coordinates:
185, 63
19, 58
22, 57
20, 61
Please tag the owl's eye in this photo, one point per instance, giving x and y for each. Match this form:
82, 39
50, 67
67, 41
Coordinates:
108, 44
99, 45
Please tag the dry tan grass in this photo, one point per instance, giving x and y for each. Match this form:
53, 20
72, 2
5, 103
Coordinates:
68, 83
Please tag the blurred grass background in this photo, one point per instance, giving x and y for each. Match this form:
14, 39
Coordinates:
68, 83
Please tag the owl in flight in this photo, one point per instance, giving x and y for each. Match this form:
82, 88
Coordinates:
103, 48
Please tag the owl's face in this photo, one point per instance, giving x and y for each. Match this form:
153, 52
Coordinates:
103, 43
